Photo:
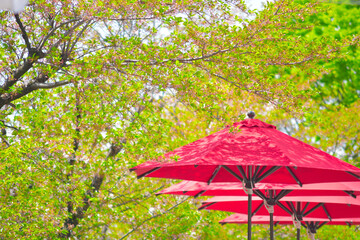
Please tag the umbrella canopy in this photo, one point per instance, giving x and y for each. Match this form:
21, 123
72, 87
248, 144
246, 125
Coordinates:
239, 218
270, 193
300, 206
312, 224
250, 151
193, 188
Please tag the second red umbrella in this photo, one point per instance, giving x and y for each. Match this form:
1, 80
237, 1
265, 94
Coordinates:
330, 207
311, 224
270, 193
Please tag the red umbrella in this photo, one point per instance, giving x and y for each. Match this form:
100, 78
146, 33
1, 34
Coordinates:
312, 224
299, 207
250, 151
271, 193
240, 218
311, 206
196, 189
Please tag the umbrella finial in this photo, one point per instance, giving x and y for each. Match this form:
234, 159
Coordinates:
251, 114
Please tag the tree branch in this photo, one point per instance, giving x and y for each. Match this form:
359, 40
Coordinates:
277, 10
17, 74
73, 220
49, 85
291, 63
68, 32
155, 216
68, 51
51, 33
8, 126
23, 32
4, 140
33, 55
8, 98
185, 60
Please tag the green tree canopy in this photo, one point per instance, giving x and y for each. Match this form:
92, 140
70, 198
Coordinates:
91, 88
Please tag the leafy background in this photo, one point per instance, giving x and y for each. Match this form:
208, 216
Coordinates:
92, 88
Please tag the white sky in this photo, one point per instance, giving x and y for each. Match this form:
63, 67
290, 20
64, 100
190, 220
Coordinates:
255, 4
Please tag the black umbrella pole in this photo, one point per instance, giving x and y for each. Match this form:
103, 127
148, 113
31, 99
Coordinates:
298, 233
271, 226
249, 216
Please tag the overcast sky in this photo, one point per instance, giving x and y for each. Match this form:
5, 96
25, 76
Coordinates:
255, 4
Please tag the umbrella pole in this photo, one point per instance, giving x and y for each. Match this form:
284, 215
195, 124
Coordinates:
298, 234
249, 216
271, 226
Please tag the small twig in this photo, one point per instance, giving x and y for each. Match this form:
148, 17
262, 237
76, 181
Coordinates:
277, 10
68, 32
52, 32
4, 140
155, 216
8, 126
68, 51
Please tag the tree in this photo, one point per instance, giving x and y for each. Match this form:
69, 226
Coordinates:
89, 89
332, 112
330, 122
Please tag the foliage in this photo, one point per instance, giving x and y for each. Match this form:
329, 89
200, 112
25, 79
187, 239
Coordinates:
91, 88
332, 114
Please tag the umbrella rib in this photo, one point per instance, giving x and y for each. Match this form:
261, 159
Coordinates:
214, 174
250, 176
285, 208
282, 194
272, 194
322, 224
298, 207
261, 171
199, 194
348, 223
306, 205
353, 174
256, 171
260, 194
302, 224
205, 206
312, 226
294, 176
294, 207
291, 206
257, 209
350, 193
316, 224
148, 172
270, 171
326, 211
313, 209
241, 170
232, 173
